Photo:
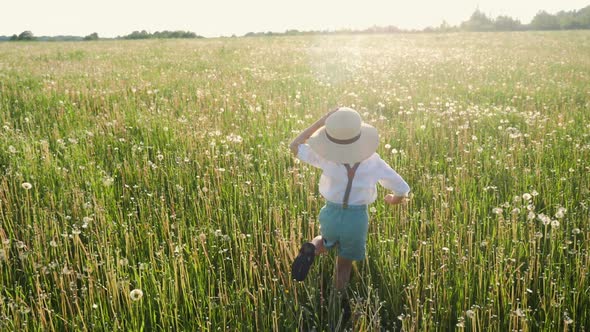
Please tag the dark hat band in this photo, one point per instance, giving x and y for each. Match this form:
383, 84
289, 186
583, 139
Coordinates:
343, 141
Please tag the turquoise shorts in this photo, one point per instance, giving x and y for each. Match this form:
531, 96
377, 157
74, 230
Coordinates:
346, 228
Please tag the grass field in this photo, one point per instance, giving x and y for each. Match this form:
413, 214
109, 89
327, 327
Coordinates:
147, 185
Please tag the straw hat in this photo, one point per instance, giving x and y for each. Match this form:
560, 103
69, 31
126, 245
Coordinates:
345, 138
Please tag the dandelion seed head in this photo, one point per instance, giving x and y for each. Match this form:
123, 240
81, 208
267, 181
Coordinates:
136, 294
544, 219
26, 185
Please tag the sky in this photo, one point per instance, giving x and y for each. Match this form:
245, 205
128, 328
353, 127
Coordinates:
212, 18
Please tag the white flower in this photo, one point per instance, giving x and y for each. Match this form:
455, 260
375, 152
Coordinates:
554, 223
544, 219
576, 231
470, 313
26, 185
560, 213
373, 209
136, 294
527, 196
497, 210
387, 146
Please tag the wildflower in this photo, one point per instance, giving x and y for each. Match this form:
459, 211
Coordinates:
576, 231
519, 312
527, 196
544, 219
470, 313
497, 210
560, 213
373, 209
387, 146
136, 294
11, 149
107, 181
555, 223
445, 249
26, 185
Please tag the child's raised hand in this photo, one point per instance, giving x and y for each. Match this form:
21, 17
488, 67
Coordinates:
394, 200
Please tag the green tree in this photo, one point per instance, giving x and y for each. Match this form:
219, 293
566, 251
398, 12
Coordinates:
92, 36
506, 23
26, 35
545, 21
478, 22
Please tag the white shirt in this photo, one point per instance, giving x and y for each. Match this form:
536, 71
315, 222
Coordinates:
371, 171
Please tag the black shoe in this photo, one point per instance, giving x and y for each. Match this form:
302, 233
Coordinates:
303, 262
345, 306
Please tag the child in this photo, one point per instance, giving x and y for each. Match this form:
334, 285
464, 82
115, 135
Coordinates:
344, 148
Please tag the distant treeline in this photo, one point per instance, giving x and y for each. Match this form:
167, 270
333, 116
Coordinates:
28, 36
563, 20
160, 34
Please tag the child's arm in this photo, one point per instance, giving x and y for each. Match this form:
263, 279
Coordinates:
394, 182
394, 200
306, 134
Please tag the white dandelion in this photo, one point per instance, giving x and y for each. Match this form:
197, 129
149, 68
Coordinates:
26, 185
136, 294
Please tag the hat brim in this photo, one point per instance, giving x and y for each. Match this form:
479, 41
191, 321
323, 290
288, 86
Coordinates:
351, 153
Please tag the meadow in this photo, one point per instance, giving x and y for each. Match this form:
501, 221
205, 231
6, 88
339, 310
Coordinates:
148, 185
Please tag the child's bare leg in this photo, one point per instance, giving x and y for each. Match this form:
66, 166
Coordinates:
318, 242
343, 270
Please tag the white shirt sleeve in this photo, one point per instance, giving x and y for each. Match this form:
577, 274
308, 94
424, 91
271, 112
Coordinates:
389, 179
307, 155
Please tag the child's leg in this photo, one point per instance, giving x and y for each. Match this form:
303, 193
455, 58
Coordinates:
343, 270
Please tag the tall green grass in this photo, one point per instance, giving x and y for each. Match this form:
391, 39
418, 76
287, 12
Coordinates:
147, 185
